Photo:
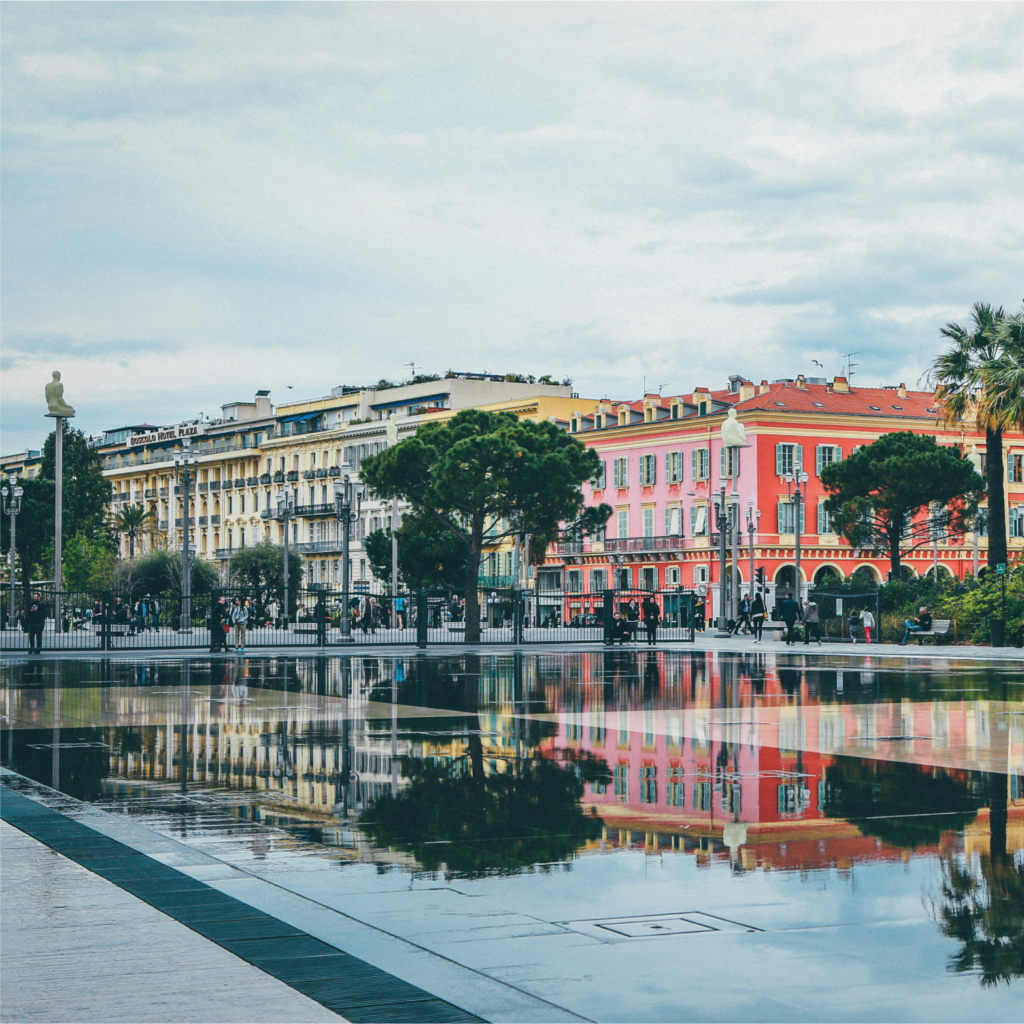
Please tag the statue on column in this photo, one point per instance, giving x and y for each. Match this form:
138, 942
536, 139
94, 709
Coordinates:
734, 434
56, 406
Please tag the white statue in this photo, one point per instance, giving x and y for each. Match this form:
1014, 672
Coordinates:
55, 404
391, 430
977, 461
734, 434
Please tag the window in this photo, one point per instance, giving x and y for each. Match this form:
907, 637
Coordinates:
673, 521
622, 782
700, 574
1017, 521
574, 581
1015, 469
702, 409
648, 784
649, 577
599, 421
729, 462
622, 518
598, 481
598, 580
789, 458
647, 464
674, 465
675, 410
699, 521
700, 463
825, 455
702, 796
787, 517
574, 425
620, 471
648, 521
825, 524
241, 503
675, 792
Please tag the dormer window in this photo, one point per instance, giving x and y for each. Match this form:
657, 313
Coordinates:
599, 421
702, 409
648, 414
574, 425
623, 417
675, 410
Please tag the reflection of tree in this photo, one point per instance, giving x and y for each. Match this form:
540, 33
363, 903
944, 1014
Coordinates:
984, 911
983, 903
479, 824
905, 805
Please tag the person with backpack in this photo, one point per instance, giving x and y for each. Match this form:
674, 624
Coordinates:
239, 619
854, 622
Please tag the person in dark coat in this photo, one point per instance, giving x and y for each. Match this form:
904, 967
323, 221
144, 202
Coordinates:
789, 612
699, 614
651, 617
35, 619
218, 627
757, 615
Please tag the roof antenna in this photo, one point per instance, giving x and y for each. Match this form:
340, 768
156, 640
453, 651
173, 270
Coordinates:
412, 366
665, 385
850, 364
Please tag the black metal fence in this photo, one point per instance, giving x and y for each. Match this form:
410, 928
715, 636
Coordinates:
234, 618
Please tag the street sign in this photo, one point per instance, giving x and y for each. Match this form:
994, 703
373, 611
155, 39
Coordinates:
1001, 569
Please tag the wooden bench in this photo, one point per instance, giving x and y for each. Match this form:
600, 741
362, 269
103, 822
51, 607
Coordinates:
940, 627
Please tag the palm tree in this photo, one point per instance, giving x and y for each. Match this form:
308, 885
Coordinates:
974, 378
132, 519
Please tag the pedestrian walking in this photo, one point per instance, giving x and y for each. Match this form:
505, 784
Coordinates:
757, 617
239, 619
400, 611
743, 616
854, 624
811, 621
651, 615
35, 619
867, 621
789, 612
699, 614
154, 603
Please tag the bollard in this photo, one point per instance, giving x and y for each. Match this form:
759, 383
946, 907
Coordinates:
421, 619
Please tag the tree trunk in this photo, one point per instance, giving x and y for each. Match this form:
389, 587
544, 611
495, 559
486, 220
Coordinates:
131, 545
996, 497
894, 552
473, 582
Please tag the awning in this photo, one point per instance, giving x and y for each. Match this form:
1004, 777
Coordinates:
702, 520
410, 401
301, 418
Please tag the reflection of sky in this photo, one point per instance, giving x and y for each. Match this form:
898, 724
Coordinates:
862, 947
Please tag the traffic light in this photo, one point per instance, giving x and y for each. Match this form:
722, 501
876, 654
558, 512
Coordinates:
759, 575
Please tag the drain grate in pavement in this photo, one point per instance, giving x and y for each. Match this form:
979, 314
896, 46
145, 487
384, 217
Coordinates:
656, 926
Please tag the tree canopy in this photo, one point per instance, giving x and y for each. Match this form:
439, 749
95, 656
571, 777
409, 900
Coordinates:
877, 494
429, 555
86, 491
260, 570
485, 476
33, 530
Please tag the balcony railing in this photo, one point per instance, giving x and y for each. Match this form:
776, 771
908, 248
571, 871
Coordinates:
495, 582
315, 510
150, 492
568, 547
318, 547
643, 544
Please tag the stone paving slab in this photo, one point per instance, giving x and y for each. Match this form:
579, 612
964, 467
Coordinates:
78, 948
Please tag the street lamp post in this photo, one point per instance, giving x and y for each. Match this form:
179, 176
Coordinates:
753, 515
285, 511
348, 498
185, 471
794, 481
12, 506
722, 525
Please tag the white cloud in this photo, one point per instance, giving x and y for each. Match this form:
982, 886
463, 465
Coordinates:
315, 193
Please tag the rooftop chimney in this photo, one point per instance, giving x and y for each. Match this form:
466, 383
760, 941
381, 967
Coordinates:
801, 381
763, 389
902, 390
746, 390
840, 384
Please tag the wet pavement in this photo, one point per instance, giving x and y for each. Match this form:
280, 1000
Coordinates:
612, 835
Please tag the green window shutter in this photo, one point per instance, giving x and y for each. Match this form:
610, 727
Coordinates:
780, 465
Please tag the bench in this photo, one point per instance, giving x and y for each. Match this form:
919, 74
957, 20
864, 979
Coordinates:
940, 627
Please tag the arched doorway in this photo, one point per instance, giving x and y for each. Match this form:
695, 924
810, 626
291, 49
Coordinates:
826, 574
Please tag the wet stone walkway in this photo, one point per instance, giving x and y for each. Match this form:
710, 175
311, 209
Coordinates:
76, 947
112, 916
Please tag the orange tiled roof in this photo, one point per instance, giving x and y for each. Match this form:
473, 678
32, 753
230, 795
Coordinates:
821, 398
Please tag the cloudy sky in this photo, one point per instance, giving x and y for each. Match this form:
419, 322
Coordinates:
200, 200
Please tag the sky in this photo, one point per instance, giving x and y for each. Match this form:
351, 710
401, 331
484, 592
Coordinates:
202, 200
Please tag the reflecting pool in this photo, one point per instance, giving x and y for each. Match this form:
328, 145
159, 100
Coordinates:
615, 835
